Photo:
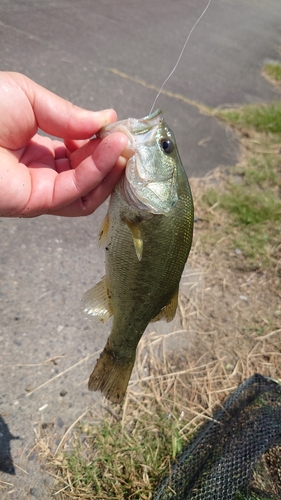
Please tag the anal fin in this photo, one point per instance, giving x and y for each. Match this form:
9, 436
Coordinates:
169, 310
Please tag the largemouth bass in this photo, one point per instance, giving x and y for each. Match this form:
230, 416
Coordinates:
147, 234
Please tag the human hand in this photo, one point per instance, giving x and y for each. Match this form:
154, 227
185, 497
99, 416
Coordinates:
39, 175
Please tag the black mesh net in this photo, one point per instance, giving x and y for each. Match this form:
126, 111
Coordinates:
236, 455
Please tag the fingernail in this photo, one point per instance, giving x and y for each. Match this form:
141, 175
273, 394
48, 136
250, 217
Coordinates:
109, 116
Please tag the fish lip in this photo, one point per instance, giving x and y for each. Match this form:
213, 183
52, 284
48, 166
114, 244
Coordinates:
156, 116
133, 126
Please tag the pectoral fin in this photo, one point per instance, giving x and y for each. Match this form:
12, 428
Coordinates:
96, 302
104, 230
169, 310
136, 233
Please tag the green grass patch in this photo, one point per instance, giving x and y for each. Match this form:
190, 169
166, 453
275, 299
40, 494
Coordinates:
262, 118
273, 70
248, 207
251, 220
252, 208
263, 170
122, 459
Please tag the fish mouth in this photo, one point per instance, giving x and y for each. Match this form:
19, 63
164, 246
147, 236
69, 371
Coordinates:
134, 128
148, 122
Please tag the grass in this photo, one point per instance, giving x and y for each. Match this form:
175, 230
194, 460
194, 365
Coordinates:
248, 207
262, 118
254, 220
127, 451
230, 311
122, 456
272, 71
250, 193
118, 458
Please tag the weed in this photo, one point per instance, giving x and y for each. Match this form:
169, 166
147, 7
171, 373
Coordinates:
262, 118
273, 70
121, 456
251, 192
251, 208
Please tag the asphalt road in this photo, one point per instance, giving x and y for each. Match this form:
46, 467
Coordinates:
48, 263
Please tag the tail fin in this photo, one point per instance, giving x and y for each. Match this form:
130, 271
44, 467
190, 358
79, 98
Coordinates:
110, 375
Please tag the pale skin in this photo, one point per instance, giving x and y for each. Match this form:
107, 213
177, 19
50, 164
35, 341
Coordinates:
69, 177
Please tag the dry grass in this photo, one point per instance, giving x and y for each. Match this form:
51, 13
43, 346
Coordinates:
121, 452
230, 329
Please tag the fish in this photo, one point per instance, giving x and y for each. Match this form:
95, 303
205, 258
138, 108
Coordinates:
147, 235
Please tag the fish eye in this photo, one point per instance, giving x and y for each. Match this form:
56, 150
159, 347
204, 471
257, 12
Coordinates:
167, 145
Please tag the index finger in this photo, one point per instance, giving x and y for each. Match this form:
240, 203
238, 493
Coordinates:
27, 106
